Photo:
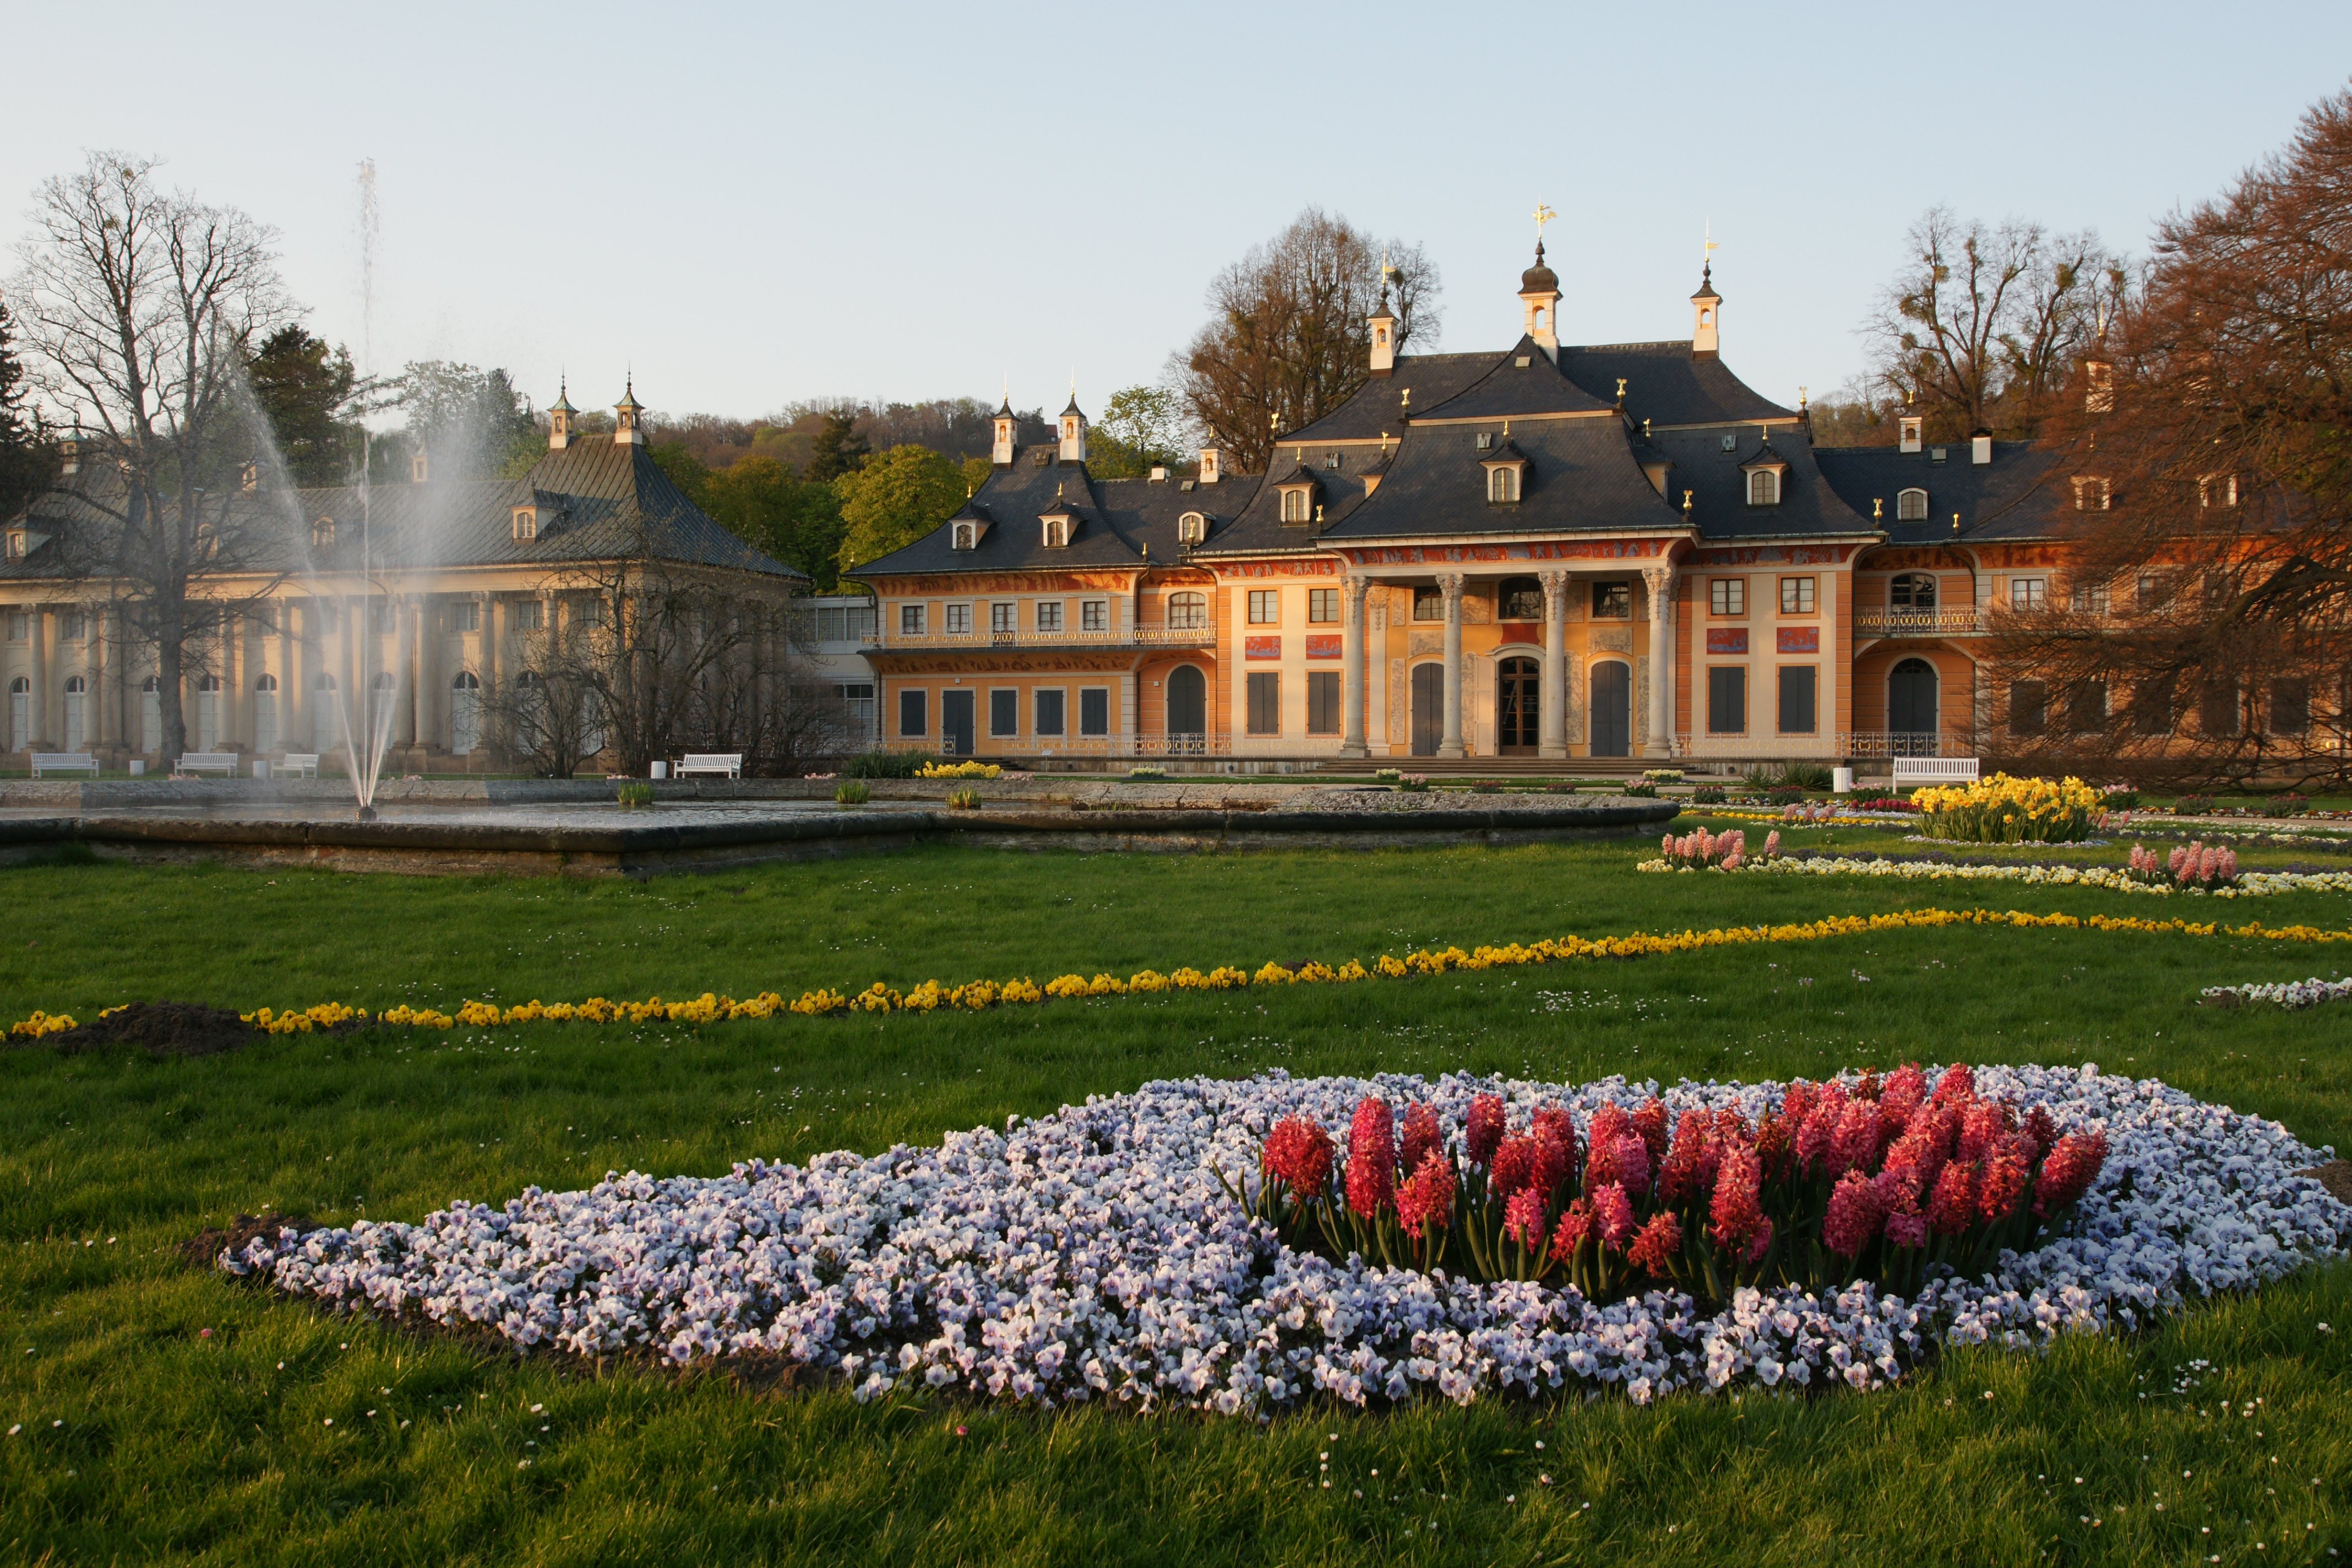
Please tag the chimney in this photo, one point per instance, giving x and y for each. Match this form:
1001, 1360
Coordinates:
1212, 465
1980, 447
1911, 424
558, 418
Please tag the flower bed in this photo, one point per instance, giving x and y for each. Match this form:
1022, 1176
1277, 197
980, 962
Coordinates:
2247, 884
1094, 1254
2200, 867
960, 771
2005, 810
2291, 995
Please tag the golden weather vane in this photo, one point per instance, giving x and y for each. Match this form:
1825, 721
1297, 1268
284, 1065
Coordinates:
1543, 215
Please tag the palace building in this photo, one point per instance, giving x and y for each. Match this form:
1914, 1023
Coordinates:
1552, 551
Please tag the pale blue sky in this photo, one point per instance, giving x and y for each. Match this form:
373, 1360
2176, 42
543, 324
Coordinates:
758, 203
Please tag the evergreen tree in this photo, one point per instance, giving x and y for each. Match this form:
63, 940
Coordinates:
26, 459
838, 448
309, 395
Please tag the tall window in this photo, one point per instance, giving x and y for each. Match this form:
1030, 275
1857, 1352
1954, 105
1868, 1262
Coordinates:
1094, 615
72, 626
1727, 597
1911, 591
2086, 707
1726, 701
1799, 709
1911, 506
1265, 704
959, 620
1613, 600
1004, 712
1764, 487
910, 620
914, 712
1520, 599
2152, 706
2028, 593
1796, 596
2088, 599
2290, 705
1049, 614
1502, 483
1094, 710
1187, 612
526, 614
1264, 606
1003, 618
1294, 505
1323, 702
1322, 605
1050, 712
2029, 707
1428, 604
466, 616
2217, 706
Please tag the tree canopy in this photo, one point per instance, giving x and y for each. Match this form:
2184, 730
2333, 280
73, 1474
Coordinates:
309, 395
1141, 427
26, 459
896, 498
472, 424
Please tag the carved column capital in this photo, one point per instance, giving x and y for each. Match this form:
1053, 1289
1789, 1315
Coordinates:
1450, 585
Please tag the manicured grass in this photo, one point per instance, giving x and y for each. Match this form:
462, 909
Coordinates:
179, 1447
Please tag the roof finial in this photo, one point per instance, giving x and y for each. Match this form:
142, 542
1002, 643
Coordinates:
1706, 254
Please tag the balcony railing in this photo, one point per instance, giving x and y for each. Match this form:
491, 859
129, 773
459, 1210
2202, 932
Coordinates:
1856, 743
1959, 621
1155, 635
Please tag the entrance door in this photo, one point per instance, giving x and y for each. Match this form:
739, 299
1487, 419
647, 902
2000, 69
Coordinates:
955, 723
77, 695
20, 714
1519, 711
208, 713
150, 716
465, 714
1612, 710
1428, 709
327, 714
1911, 709
265, 714
1188, 710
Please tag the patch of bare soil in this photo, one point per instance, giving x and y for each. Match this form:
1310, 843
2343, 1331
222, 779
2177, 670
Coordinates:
203, 1249
165, 1028
2335, 1176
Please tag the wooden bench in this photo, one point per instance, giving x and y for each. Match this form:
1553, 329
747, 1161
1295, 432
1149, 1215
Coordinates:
299, 764
1911, 771
729, 765
207, 763
64, 763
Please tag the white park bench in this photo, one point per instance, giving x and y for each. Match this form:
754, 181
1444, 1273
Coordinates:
208, 763
299, 764
729, 765
1933, 770
64, 763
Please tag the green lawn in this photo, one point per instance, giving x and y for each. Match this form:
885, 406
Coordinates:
176, 1445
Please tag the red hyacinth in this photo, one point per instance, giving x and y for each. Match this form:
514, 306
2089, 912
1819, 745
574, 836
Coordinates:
1905, 1091
1650, 1124
1427, 1197
1690, 1164
1953, 1208
1575, 1225
1514, 1166
1854, 1215
1796, 1102
1298, 1153
1759, 1244
1553, 1162
1958, 1084
1867, 1086
1906, 1229
2006, 1178
1854, 1145
1982, 1126
1422, 1133
1622, 1161
1775, 1136
1736, 1208
2069, 1171
1484, 1134
1613, 1215
1556, 1124
1371, 1158
2042, 1129
1659, 1244
1523, 1218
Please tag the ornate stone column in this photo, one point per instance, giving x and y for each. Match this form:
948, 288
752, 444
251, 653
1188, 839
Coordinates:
1352, 667
409, 728
1553, 733
1450, 585
1661, 583
37, 718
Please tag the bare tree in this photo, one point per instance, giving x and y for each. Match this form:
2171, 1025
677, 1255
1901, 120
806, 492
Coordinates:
142, 308
1287, 342
1984, 321
2204, 442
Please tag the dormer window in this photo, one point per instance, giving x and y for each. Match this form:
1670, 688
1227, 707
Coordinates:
526, 523
322, 532
1503, 482
16, 544
2092, 493
1764, 487
1297, 503
2217, 490
1911, 506
1912, 427
966, 536
1192, 527
1057, 529
417, 466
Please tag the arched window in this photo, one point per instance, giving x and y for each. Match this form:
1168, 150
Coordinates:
267, 683
1764, 487
1187, 612
209, 683
1502, 483
151, 715
76, 709
208, 713
326, 713
1191, 528
1911, 591
75, 684
1294, 505
20, 714
1911, 506
265, 713
464, 712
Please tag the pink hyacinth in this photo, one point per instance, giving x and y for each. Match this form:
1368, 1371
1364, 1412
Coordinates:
1854, 1215
1622, 1161
1907, 1229
1797, 1102
2069, 1171
1958, 1083
1855, 1143
1658, 1244
1982, 1126
1691, 1164
1613, 1215
1371, 1158
1608, 1123
1423, 1134
1514, 1167
1554, 1159
1772, 844
1899, 1100
1523, 1218
1298, 1153
1427, 1198
1575, 1226
1953, 1208
1737, 1208
1650, 1123
1484, 1134
2006, 1176
2042, 1129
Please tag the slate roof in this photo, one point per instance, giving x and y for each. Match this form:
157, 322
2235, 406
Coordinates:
598, 501
1510, 390
2018, 495
1581, 478
1667, 384
1381, 406
1718, 486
